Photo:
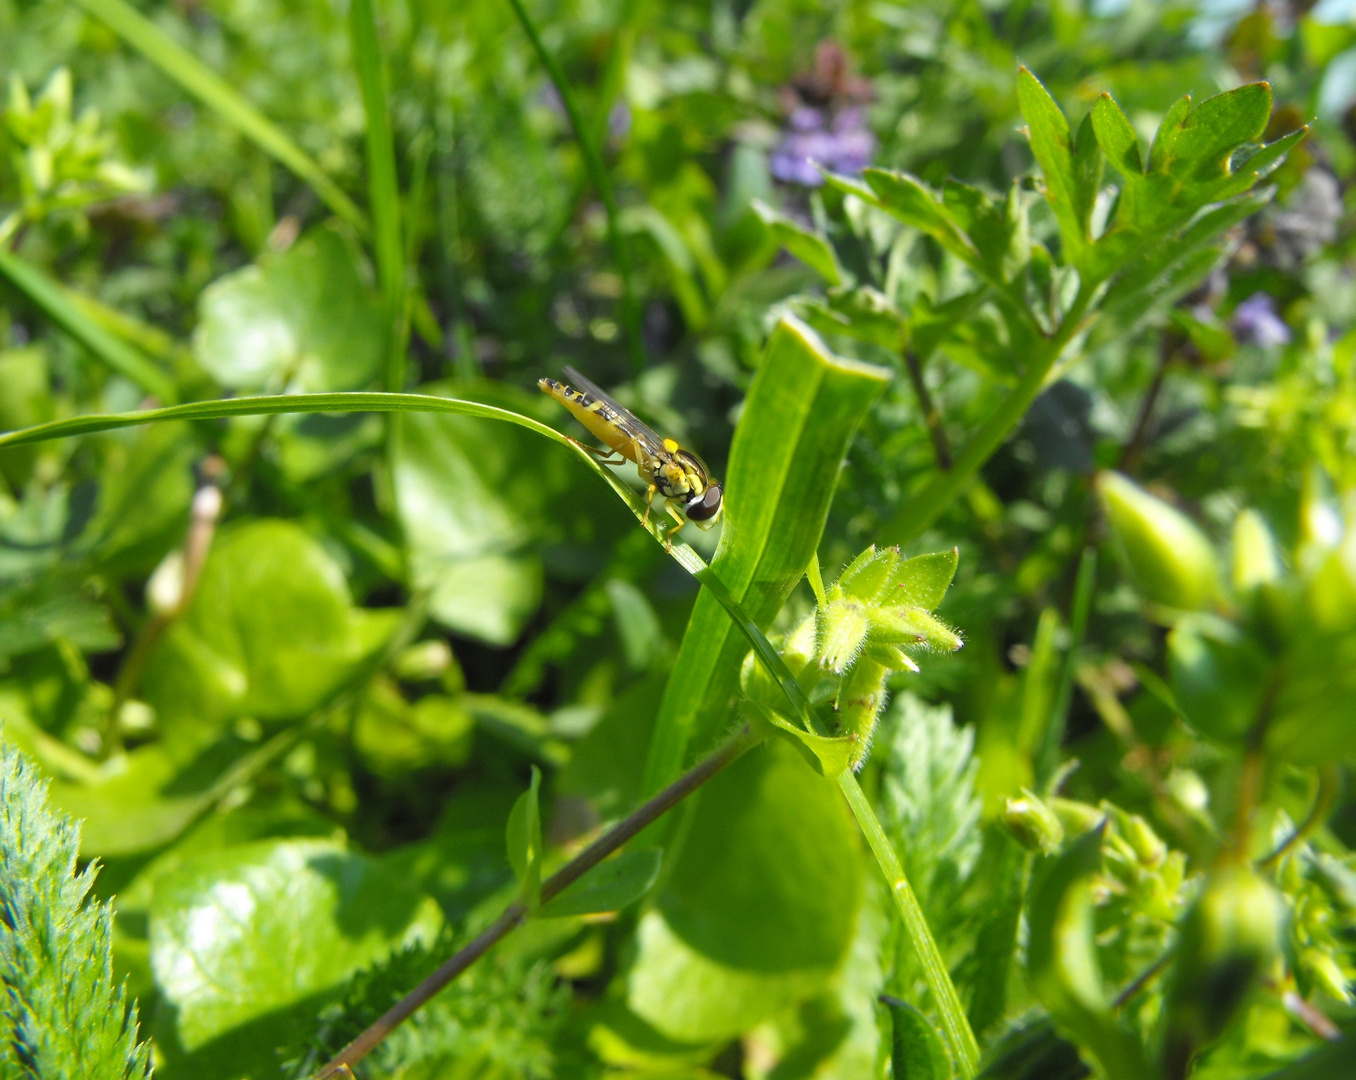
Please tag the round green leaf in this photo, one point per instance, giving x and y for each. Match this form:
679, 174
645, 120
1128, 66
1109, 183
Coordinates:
759, 910
270, 633
304, 321
246, 942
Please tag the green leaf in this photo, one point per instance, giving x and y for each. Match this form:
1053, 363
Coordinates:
62, 1014
1197, 146
247, 940
111, 351
303, 320
809, 247
918, 1052
922, 581
908, 199
610, 886
220, 96
1116, 137
524, 841
806, 403
471, 498
382, 184
829, 755
1070, 192
736, 936
642, 635
51, 610
270, 633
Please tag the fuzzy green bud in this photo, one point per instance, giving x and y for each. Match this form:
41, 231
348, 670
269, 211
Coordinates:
1032, 824
801, 646
424, 660
1227, 941
845, 626
860, 700
1171, 560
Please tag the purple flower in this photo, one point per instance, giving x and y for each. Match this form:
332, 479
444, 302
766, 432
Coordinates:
840, 143
1255, 322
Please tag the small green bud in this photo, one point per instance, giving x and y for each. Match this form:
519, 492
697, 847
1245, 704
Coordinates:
1032, 824
892, 657
1256, 560
1228, 939
860, 700
1171, 560
1076, 818
1150, 850
845, 626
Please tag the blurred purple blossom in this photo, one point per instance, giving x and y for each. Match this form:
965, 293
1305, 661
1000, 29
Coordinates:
840, 142
1255, 322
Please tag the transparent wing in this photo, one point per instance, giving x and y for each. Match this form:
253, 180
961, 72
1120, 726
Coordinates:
624, 418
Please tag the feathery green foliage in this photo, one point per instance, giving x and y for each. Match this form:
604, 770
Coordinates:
63, 1016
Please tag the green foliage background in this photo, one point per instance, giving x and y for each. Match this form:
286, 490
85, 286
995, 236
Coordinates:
292, 671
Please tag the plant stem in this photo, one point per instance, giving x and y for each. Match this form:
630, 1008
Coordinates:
516, 913
963, 1045
1081, 605
1134, 446
931, 416
593, 162
920, 511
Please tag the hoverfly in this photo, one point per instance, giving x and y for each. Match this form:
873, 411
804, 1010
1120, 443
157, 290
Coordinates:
666, 468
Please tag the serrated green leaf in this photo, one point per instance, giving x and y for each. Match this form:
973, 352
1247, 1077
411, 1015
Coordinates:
917, 1051
1052, 146
922, 581
1202, 146
809, 247
523, 835
610, 886
246, 938
908, 199
1116, 137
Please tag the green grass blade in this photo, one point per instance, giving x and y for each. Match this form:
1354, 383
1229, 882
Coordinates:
593, 162
217, 94
382, 187
799, 415
110, 350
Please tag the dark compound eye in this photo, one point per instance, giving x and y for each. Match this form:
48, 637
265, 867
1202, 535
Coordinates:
706, 505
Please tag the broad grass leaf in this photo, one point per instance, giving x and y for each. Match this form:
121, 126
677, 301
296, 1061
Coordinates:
303, 320
271, 632
759, 908
799, 415
247, 941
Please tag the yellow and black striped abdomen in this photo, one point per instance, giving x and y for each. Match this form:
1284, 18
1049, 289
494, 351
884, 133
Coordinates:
596, 415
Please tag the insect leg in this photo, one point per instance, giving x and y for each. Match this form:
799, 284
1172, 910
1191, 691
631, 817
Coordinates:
604, 457
676, 529
649, 503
